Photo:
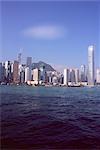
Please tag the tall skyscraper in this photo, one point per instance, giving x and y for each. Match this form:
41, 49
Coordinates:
29, 62
22, 73
91, 65
22, 76
83, 73
72, 75
66, 73
27, 74
36, 75
19, 58
76, 75
16, 72
8, 71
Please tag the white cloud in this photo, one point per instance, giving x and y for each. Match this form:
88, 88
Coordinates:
45, 32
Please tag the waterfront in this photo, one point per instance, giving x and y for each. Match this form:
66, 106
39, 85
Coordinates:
50, 117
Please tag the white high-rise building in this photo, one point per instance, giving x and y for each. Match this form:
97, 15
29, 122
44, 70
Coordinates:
55, 80
98, 76
36, 75
8, 70
66, 73
91, 65
27, 74
76, 75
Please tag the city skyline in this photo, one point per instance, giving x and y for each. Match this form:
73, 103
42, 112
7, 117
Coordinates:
58, 33
17, 73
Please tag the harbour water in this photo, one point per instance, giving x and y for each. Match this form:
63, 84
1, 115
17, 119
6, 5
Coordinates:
50, 117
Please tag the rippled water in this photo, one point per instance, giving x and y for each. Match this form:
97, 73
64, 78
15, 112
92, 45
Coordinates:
50, 117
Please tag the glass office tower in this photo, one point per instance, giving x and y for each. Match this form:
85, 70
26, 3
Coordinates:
91, 65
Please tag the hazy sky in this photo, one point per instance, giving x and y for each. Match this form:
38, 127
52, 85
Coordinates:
55, 32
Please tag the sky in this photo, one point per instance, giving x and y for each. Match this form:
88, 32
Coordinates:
57, 33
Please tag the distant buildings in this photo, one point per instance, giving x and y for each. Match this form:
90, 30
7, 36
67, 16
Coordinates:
76, 75
66, 76
19, 57
91, 65
8, 71
27, 74
2, 72
83, 73
72, 76
36, 74
22, 76
15, 72
42, 74
54, 80
29, 62
98, 76
22, 73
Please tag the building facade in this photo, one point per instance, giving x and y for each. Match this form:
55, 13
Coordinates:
91, 65
27, 74
29, 62
2, 72
82, 73
72, 76
36, 75
16, 72
76, 75
19, 57
66, 76
98, 76
8, 71
42, 73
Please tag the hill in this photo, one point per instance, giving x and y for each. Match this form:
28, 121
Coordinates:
40, 63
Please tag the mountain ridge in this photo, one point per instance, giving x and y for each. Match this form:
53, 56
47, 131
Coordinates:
38, 65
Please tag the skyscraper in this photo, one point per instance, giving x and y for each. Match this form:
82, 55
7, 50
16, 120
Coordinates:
19, 58
76, 75
66, 73
27, 74
8, 71
36, 75
42, 73
15, 72
91, 65
83, 73
22, 73
29, 62
2, 72
22, 76
72, 75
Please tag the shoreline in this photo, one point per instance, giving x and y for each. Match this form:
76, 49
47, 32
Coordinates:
69, 86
